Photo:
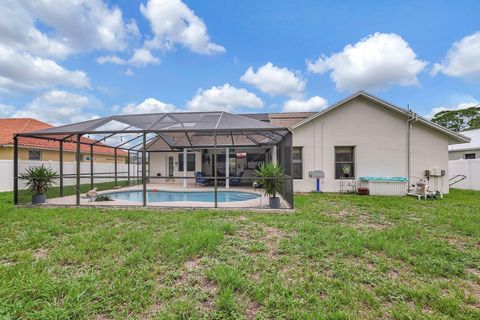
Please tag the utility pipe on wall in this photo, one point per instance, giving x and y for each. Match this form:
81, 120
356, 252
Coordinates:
412, 117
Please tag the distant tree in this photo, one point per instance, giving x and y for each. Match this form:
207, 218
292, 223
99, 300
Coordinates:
459, 120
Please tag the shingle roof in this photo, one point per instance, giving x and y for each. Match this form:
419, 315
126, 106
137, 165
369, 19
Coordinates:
10, 126
282, 119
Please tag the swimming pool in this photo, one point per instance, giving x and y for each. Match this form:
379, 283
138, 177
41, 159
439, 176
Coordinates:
171, 196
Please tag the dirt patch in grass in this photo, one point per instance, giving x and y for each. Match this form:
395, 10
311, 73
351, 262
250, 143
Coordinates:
252, 309
360, 220
272, 237
192, 264
474, 271
40, 254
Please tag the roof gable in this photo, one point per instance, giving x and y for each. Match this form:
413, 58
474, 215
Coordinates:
454, 137
10, 126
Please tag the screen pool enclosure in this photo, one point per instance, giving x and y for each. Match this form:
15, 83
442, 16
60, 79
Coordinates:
141, 135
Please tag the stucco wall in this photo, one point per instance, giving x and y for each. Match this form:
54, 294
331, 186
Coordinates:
429, 150
159, 164
6, 153
379, 136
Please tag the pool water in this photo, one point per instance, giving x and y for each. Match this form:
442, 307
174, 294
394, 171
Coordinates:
170, 196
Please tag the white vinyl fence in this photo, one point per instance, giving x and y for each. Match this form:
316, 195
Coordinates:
469, 168
107, 169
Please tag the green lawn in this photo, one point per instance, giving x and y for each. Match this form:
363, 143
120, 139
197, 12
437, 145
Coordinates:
336, 257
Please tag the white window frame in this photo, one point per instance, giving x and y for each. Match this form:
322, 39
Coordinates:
354, 162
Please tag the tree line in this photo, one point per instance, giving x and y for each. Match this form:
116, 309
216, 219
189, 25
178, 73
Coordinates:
459, 120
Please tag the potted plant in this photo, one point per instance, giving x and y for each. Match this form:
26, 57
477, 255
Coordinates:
39, 179
346, 169
270, 177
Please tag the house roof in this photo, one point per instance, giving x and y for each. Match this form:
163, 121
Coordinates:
11, 126
284, 119
474, 143
454, 137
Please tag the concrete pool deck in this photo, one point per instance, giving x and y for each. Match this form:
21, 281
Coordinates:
260, 202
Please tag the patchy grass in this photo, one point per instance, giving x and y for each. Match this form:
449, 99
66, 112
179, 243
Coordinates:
336, 257
24, 196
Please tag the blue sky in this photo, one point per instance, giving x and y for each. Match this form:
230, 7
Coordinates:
63, 62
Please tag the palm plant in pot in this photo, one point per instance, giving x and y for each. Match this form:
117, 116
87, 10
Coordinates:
39, 179
270, 177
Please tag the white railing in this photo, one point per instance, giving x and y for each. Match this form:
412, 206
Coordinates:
6, 171
470, 168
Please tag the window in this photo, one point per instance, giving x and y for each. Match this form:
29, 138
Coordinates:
344, 163
469, 156
190, 162
34, 155
297, 163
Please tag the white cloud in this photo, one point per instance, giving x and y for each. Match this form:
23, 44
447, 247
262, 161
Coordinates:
224, 98
142, 57
463, 59
84, 24
149, 105
129, 73
315, 103
6, 110
460, 106
22, 71
58, 107
375, 62
110, 59
274, 80
18, 31
172, 22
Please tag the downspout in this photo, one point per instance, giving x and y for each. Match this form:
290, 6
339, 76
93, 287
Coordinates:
412, 117
315, 146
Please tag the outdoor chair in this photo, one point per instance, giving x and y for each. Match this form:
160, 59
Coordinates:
235, 181
199, 179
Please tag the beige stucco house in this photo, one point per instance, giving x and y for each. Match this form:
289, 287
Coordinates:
376, 138
48, 150
362, 133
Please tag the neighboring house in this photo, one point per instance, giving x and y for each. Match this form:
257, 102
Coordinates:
469, 150
370, 136
48, 150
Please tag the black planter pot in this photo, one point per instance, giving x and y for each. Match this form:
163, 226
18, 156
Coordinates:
39, 199
274, 202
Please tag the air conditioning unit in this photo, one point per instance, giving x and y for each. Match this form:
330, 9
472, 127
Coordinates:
435, 172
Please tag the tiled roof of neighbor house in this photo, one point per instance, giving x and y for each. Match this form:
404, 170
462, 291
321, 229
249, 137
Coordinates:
10, 126
473, 144
282, 119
